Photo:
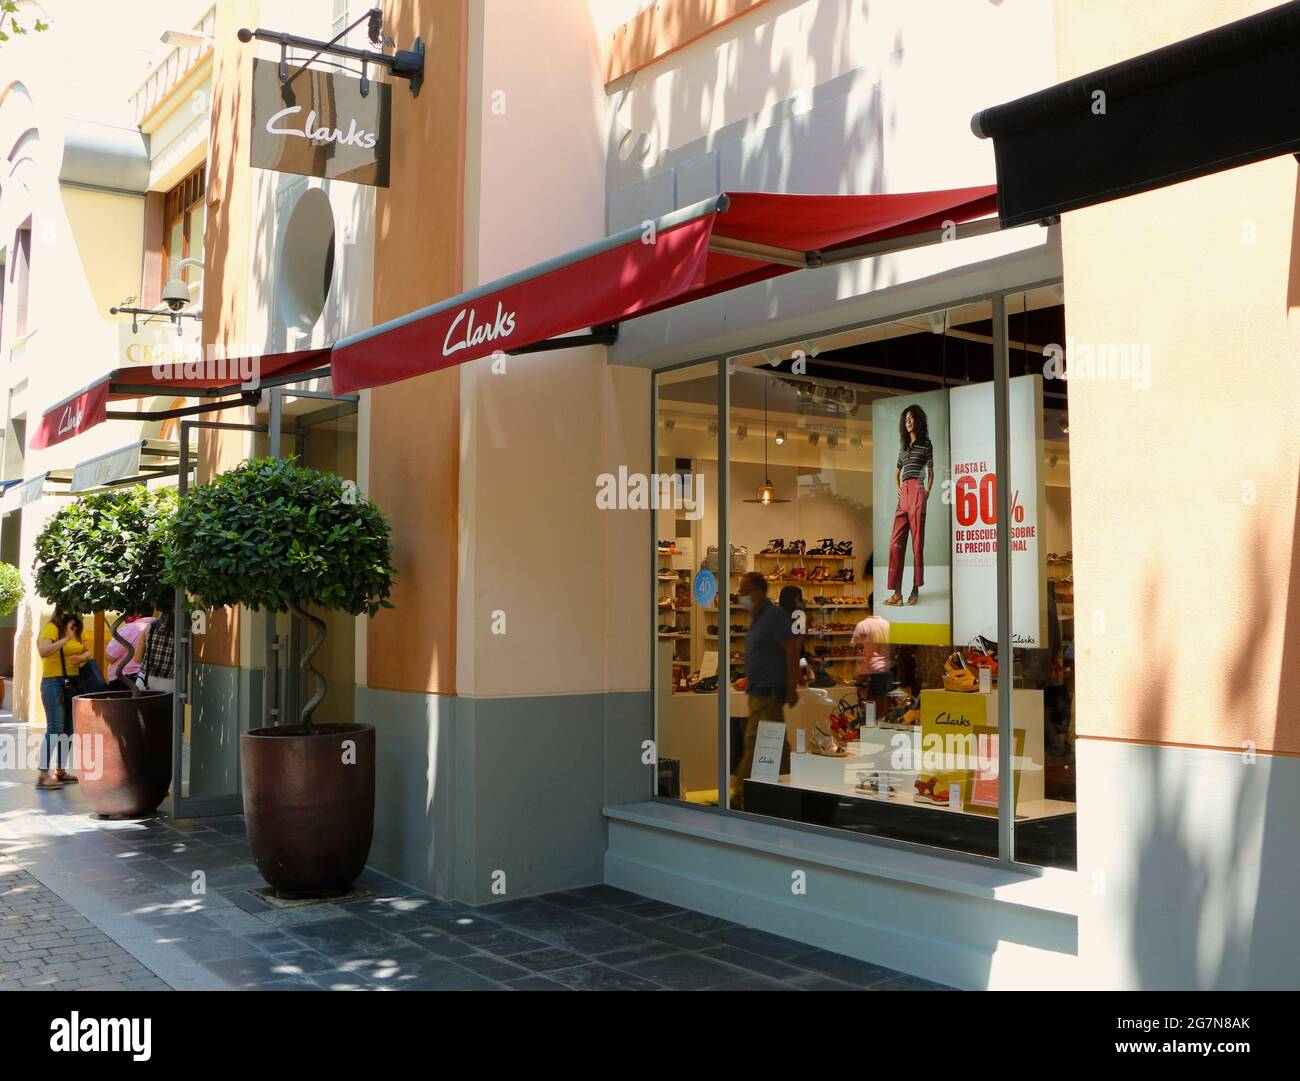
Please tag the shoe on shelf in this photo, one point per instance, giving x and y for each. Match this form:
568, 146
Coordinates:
774, 547
823, 743
780, 572
844, 548
825, 547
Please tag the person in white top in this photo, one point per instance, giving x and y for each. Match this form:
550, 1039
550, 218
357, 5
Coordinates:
871, 648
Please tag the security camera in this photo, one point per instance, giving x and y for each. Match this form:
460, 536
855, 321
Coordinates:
176, 294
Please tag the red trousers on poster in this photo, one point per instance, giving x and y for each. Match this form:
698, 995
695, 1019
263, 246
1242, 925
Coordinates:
908, 518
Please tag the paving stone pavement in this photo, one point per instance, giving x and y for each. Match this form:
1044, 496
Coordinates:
45, 945
89, 903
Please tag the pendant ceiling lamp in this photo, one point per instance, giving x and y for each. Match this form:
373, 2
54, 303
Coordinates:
766, 492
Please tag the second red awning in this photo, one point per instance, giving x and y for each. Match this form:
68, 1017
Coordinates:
726, 242
218, 378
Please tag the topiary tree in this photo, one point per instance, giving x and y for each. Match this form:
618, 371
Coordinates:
11, 588
274, 534
107, 553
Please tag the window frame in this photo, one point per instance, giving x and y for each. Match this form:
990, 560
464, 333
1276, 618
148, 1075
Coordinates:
1002, 438
178, 205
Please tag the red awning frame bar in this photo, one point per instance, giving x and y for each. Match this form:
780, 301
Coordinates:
792, 257
764, 253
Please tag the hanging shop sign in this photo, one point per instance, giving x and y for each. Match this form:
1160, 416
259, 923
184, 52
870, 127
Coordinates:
974, 514
108, 468
910, 523
318, 123
158, 345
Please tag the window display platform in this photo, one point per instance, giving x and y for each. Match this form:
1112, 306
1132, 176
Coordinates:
1045, 829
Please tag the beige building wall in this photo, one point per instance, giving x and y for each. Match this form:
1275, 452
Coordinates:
565, 579
1186, 557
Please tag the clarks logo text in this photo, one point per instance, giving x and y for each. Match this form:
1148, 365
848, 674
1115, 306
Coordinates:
354, 136
476, 334
70, 420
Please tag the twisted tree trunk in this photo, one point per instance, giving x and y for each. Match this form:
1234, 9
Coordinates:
305, 664
126, 657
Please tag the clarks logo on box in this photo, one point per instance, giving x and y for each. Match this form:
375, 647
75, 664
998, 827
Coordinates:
947, 720
475, 335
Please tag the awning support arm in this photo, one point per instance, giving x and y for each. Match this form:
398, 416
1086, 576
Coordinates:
916, 240
601, 335
765, 253
251, 397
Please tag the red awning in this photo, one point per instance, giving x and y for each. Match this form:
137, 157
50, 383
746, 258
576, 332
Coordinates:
731, 240
722, 243
204, 379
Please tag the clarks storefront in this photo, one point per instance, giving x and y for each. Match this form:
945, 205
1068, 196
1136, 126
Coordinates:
756, 318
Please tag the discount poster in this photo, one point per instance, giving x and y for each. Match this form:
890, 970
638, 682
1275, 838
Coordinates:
974, 498
911, 548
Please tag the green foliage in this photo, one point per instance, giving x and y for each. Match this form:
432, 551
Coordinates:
107, 552
271, 532
11, 588
9, 24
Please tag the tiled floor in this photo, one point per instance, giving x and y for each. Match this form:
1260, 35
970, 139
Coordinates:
163, 903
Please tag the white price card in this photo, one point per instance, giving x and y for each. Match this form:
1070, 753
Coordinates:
767, 751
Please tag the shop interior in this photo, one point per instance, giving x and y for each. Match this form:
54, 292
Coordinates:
801, 499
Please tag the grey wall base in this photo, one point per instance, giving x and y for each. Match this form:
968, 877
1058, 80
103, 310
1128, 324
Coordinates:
966, 925
1189, 855
491, 799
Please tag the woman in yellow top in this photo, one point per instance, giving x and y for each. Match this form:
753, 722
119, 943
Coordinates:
61, 648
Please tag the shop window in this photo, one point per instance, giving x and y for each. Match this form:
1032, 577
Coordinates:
688, 642
184, 218
860, 507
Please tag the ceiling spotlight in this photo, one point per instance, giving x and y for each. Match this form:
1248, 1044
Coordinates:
780, 436
772, 357
814, 438
810, 348
742, 431
669, 423
855, 441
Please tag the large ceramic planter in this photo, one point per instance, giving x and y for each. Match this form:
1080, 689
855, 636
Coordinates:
309, 804
124, 745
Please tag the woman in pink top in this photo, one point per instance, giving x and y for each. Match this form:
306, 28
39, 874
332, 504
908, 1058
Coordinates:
871, 647
120, 673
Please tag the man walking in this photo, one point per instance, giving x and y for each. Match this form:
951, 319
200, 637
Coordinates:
772, 672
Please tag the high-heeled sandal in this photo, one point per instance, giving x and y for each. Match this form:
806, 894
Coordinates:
825, 547
823, 743
780, 572
844, 548
774, 547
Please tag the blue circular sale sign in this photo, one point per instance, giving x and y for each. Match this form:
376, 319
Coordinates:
705, 588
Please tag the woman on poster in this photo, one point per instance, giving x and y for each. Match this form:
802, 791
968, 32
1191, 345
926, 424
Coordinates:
915, 462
